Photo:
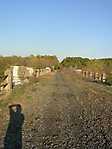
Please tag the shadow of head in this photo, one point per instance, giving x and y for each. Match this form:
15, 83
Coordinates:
18, 108
13, 138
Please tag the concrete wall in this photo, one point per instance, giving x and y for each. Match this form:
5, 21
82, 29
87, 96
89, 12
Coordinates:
18, 75
41, 72
94, 76
15, 75
6, 85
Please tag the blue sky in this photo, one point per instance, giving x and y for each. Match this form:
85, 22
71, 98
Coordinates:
60, 27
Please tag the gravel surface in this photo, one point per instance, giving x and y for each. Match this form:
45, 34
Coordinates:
68, 113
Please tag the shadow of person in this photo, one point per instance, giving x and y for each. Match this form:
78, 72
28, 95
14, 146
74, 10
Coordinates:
13, 138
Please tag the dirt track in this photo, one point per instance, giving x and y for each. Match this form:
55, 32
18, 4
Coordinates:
68, 113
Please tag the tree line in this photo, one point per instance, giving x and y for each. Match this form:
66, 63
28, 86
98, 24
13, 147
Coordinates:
101, 65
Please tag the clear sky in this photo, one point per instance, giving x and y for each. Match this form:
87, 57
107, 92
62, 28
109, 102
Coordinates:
60, 27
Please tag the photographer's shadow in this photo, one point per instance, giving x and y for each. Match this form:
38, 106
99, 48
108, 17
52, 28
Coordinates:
13, 138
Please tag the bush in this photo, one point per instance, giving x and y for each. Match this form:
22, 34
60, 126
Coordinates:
109, 79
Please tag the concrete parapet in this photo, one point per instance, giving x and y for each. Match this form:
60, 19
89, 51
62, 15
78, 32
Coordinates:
94, 76
18, 75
